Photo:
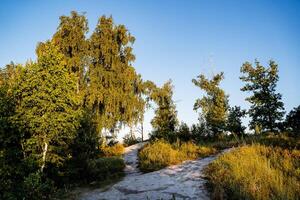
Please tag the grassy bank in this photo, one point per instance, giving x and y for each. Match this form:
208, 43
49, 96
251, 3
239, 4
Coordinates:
160, 154
255, 172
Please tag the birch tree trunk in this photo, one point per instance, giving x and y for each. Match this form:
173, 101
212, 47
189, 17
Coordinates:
44, 156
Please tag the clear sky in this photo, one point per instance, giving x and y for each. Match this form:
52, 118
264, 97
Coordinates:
176, 40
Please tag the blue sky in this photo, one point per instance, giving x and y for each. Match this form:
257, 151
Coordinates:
176, 40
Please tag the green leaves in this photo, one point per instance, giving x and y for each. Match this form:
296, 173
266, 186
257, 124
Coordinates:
214, 105
114, 88
266, 106
165, 119
48, 108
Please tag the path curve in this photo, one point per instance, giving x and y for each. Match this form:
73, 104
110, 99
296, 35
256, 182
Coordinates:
184, 181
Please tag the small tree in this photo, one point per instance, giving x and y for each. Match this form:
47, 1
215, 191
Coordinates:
214, 105
266, 106
47, 107
292, 122
165, 119
234, 123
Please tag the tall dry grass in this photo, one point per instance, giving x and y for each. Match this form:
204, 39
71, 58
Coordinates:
110, 151
160, 154
256, 172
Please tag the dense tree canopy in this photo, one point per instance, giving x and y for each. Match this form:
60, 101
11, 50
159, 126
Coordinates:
47, 107
114, 91
11, 155
266, 105
70, 39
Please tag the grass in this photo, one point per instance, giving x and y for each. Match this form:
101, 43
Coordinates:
255, 172
100, 173
269, 139
110, 151
160, 154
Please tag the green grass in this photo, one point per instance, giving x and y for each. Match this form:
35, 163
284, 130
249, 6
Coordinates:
255, 172
160, 154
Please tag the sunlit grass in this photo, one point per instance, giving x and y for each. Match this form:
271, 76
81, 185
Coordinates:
109, 151
256, 172
160, 154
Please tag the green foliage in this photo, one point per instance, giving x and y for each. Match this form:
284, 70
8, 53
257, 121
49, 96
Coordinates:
114, 86
53, 110
292, 121
279, 140
255, 172
47, 108
105, 168
266, 106
11, 155
234, 123
160, 154
214, 105
130, 139
37, 187
183, 133
71, 42
165, 120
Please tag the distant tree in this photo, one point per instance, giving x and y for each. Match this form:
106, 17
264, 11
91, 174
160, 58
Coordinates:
266, 105
183, 132
200, 130
214, 105
47, 108
165, 120
115, 89
234, 123
292, 122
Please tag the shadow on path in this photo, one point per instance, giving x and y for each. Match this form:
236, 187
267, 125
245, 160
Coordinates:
184, 181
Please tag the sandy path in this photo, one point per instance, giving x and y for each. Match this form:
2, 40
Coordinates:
184, 181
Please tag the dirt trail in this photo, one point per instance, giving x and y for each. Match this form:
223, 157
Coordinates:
184, 181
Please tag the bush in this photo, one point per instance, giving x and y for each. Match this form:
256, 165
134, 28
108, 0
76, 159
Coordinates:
279, 140
255, 172
160, 154
37, 187
115, 150
105, 168
184, 133
157, 155
130, 139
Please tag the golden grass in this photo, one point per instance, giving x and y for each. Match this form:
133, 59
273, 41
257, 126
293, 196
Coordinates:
256, 172
160, 154
115, 150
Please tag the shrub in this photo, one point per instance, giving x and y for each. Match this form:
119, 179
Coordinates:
115, 150
130, 139
280, 140
183, 132
255, 172
105, 168
37, 187
160, 154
